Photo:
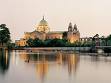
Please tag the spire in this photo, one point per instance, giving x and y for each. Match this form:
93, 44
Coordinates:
70, 27
70, 24
75, 28
43, 18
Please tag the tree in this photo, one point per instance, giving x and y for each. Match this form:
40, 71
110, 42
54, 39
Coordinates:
35, 42
30, 42
108, 40
55, 42
4, 34
109, 37
64, 35
38, 43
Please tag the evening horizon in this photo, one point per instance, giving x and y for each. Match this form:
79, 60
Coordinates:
91, 17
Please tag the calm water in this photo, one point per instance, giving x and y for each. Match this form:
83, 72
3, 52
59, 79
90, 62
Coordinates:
24, 67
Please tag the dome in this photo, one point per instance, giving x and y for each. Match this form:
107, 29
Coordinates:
43, 22
43, 26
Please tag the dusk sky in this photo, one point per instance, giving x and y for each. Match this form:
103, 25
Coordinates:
91, 16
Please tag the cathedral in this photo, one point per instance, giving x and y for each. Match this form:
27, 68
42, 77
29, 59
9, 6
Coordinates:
43, 32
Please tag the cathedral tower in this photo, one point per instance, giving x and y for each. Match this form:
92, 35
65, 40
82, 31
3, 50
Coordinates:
70, 27
73, 34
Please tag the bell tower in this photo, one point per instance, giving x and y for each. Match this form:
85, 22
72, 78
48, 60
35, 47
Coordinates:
75, 28
70, 29
73, 34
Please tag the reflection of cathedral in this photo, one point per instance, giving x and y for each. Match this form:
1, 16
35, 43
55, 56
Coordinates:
42, 68
43, 32
45, 62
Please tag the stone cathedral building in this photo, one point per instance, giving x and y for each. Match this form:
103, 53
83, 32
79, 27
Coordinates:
42, 32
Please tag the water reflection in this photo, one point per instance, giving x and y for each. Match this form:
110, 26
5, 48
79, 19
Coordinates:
4, 60
43, 61
42, 68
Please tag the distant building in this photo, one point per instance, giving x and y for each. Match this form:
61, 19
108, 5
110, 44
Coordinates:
43, 32
21, 42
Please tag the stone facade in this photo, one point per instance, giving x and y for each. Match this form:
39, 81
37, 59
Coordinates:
21, 42
54, 35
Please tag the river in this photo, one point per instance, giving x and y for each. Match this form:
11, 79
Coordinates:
60, 67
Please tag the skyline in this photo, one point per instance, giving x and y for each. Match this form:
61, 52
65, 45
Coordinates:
91, 16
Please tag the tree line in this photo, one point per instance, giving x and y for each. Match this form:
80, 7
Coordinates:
65, 43
54, 43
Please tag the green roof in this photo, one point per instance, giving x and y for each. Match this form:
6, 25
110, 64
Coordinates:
43, 22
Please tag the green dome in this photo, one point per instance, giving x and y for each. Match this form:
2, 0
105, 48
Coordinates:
43, 22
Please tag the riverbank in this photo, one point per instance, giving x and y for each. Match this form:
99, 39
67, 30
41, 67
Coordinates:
87, 50
53, 51
55, 48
